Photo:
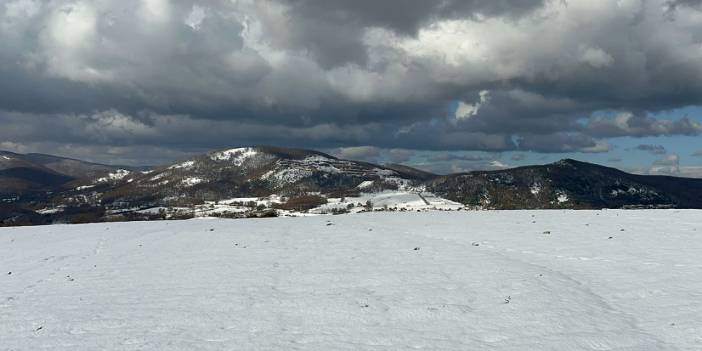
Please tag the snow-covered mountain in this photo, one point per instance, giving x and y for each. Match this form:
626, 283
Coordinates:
251, 172
269, 181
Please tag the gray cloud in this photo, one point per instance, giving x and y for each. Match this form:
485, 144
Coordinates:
400, 155
187, 75
671, 6
562, 142
518, 157
453, 157
360, 153
652, 149
628, 124
459, 166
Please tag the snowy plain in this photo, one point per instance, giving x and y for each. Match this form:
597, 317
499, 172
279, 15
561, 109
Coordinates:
481, 280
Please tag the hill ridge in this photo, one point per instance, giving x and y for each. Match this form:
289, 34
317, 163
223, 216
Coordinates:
276, 175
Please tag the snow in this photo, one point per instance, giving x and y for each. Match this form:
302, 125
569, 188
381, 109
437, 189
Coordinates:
5, 157
183, 165
266, 201
535, 188
190, 181
236, 156
317, 159
562, 197
157, 177
114, 176
384, 172
390, 199
50, 210
85, 187
241, 205
469, 280
365, 184
288, 175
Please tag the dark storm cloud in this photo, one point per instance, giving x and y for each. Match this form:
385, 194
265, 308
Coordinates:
672, 5
562, 142
627, 124
487, 75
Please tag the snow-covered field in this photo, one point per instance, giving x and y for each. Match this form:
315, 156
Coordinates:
498, 280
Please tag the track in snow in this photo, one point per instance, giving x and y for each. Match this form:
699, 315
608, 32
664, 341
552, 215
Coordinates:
391, 281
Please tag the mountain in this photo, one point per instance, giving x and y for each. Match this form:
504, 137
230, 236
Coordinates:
33, 175
19, 176
265, 180
250, 172
567, 184
71, 167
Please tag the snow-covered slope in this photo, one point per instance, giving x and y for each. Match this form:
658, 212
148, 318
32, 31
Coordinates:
310, 182
498, 280
247, 172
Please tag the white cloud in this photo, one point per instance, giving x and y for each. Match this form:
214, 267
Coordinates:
195, 17
155, 11
465, 111
668, 165
596, 57
22, 8
496, 164
68, 39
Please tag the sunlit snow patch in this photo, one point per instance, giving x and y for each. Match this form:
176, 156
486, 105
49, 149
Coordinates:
192, 181
114, 176
183, 165
236, 156
365, 184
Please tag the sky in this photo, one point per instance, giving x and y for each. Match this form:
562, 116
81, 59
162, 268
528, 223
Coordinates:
447, 86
